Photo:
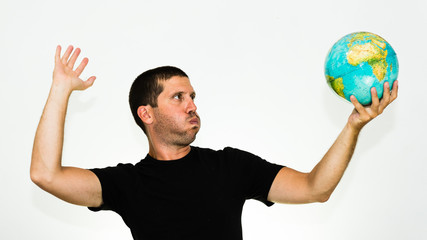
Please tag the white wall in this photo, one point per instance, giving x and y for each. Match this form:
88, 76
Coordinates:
257, 67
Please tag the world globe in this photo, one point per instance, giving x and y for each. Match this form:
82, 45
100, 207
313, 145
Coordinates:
359, 61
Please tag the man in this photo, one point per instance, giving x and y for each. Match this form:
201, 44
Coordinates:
180, 191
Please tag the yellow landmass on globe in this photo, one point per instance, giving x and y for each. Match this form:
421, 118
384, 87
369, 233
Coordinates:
379, 68
365, 36
379, 44
371, 53
336, 85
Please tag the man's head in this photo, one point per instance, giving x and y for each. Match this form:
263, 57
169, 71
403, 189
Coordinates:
161, 100
147, 87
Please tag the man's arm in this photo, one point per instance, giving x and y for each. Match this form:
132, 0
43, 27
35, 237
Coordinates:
291, 186
74, 185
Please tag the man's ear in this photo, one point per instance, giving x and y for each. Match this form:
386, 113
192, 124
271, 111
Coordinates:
145, 113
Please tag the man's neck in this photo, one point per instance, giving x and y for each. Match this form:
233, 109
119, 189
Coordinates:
167, 153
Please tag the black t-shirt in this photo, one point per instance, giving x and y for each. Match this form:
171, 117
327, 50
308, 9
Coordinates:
199, 196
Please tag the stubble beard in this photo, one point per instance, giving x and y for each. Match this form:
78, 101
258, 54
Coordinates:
168, 129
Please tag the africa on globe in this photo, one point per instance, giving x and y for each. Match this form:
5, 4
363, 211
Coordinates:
359, 61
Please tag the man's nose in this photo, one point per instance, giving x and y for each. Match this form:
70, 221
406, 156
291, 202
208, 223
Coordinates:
191, 106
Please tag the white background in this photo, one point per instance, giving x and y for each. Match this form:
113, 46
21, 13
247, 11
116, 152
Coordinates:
257, 67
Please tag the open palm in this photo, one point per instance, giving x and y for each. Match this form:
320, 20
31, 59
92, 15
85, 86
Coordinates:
63, 74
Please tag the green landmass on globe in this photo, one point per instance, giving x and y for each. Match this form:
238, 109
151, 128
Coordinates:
359, 61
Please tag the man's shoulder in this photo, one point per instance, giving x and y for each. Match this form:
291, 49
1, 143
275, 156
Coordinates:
121, 168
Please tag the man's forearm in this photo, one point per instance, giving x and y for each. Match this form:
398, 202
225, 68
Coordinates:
48, 142
326, 175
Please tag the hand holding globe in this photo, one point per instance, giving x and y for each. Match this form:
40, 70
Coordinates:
358, 62
362, 68
361, 115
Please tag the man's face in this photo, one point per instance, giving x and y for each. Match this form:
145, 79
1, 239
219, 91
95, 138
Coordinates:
176, 121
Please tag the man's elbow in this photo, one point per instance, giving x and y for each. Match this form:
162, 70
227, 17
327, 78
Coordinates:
37, 178
322, 197
40, 178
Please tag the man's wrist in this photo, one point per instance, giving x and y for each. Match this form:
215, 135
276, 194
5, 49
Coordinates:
60, 90
352, 129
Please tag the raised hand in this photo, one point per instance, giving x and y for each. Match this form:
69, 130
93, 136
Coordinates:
362, 115
65, 76
75, 185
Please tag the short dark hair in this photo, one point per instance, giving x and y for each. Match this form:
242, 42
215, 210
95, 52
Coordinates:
147, 87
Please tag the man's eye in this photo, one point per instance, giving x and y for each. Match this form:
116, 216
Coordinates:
177, 97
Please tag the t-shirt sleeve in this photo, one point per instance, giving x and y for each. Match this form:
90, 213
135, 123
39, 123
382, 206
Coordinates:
255, 174
114, 181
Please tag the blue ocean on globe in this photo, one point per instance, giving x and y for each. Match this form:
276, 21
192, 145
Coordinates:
359, 61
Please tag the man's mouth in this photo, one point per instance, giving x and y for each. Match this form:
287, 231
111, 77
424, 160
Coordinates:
194, 120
